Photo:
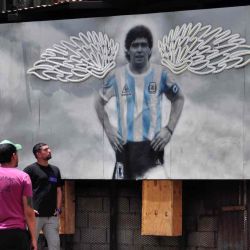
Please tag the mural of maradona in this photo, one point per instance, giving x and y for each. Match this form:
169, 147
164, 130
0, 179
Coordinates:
130, 88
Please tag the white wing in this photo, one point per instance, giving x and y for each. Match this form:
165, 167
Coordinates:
202, 50
83, 56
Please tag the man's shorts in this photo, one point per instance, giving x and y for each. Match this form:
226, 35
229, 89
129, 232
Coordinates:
136, 159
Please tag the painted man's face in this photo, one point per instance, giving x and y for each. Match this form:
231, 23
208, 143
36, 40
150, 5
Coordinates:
139, 53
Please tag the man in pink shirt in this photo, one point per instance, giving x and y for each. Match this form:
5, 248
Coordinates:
16, 210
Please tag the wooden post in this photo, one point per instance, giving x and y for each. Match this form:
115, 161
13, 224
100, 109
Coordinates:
67, 218
162, 207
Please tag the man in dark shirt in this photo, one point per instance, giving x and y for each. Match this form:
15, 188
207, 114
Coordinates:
47, 194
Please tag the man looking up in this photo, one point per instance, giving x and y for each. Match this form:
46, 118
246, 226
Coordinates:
16, 209
47, 194
141, 135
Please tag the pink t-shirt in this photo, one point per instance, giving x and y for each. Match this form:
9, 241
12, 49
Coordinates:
14, 184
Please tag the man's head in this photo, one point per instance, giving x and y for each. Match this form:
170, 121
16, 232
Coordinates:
42, 151
138, 45
8, 153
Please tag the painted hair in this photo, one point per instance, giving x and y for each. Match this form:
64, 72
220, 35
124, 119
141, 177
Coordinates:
139, 31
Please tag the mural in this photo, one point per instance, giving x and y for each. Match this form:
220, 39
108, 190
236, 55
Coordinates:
202, 49
164, 96
75, 61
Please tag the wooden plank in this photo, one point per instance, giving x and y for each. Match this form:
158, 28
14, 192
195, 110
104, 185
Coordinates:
233, 208
162, 207
177, 208
231, 230
67, 218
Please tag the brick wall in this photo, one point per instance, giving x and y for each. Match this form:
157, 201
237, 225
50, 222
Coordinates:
202, 201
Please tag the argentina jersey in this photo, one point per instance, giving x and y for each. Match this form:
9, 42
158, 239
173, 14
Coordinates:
138, 100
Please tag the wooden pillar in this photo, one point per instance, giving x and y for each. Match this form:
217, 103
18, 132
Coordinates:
162, 207
67, 218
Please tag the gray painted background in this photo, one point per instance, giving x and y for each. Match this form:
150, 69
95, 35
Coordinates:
212, 138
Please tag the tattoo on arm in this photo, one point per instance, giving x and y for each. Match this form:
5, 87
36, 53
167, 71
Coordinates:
30, 202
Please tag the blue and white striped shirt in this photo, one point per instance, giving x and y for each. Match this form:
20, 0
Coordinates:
138, 100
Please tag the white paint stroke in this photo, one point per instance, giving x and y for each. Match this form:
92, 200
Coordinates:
85, 55
202, 49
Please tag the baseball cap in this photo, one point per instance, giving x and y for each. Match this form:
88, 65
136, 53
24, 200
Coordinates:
18, 146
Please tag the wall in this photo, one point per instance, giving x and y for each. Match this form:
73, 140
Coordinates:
206, 226
36, 104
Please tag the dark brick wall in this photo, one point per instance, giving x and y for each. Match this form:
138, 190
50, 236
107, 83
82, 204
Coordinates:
202, 203
93, 218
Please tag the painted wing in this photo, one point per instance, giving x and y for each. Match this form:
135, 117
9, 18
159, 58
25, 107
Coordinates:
202, 49
85, 55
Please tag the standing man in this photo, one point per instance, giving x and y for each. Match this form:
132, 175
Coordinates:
141, 135
16, 209
47, 194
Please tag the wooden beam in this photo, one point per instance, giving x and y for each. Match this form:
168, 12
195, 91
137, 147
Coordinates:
67, 218
162, 207
233, 208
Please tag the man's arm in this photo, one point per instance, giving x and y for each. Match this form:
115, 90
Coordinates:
177, 104
164, 136
30, 219
59, 199
113, 136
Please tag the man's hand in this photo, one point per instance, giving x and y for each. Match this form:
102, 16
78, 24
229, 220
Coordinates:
113, 136
29, 214
58, 211
34, 244
161, 139
114, 139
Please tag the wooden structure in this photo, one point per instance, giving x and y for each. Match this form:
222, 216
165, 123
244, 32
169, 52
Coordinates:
67, 218
162, 207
